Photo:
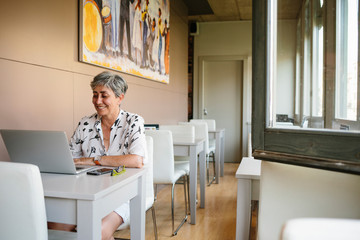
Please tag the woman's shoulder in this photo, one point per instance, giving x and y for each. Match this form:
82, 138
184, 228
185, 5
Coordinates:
87, 119
131, 117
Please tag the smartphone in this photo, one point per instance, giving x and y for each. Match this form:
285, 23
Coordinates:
100, 171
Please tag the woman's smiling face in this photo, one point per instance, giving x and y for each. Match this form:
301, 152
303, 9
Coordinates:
105, 101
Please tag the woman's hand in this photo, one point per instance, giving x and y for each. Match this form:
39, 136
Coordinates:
84, 161
128, 160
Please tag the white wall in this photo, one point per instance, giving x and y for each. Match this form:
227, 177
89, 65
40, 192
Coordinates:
288, 191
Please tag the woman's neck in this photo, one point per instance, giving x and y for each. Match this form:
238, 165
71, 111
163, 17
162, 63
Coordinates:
108, 120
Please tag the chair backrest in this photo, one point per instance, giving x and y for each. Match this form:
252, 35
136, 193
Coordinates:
23, 213
210, 122
201, 131
180, 133
305, 122
320, 228
163, 156
149, 174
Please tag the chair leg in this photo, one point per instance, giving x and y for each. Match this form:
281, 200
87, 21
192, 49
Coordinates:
188, 192
172, 207
214, 177
154, 222
207, 168
155, 192
172, 211
185, 198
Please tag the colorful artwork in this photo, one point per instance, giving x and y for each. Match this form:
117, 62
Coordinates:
131, 36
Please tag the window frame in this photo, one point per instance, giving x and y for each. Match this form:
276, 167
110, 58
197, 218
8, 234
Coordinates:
323, 149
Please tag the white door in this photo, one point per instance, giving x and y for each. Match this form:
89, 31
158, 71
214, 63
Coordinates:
222, 101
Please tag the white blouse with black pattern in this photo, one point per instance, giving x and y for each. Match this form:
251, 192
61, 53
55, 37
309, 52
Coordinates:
127, 136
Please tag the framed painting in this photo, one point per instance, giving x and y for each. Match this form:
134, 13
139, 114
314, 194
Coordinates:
130, 36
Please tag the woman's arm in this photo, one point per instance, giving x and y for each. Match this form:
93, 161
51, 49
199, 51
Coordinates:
129, 160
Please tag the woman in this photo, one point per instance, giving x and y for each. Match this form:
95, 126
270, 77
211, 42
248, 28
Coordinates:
110, 137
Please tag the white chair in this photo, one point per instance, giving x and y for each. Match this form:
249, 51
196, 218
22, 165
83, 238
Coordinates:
149, 203
321, 229
23, 213
305, 122
181, 133
201, 131
211, 123
165, 170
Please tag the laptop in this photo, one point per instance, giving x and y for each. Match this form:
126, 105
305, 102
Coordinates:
49, 150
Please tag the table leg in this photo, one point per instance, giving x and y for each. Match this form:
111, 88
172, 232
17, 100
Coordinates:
202, 170
243, 214
222, 142
88, 221
193, 183
217, 156
137, 212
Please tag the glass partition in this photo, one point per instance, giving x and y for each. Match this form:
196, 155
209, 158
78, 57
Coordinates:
314, 75
305, 99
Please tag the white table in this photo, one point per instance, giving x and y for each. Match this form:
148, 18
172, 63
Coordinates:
248, 175
219, 136
192, 150
84, 200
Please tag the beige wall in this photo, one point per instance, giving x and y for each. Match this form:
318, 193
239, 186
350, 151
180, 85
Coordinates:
44, 86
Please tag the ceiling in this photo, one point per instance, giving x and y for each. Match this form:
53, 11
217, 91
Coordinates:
235, 10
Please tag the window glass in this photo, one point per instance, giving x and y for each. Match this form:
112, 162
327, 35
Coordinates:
318, 61
298, 84
298, 72
314, 51
346, 57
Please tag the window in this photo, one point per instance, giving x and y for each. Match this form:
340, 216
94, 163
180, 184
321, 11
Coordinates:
318, 63
306, 83
346, 59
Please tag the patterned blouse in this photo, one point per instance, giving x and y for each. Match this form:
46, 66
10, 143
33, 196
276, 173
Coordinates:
127, 136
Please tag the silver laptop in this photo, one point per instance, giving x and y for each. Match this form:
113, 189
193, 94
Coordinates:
49, 150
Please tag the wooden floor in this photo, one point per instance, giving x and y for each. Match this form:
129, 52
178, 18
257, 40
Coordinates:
216, 221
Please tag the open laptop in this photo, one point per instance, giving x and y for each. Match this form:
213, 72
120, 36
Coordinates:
49, 150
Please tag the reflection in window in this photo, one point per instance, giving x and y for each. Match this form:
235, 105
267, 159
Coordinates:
318, 60
346, 59
307, 61
321, 64
298, 70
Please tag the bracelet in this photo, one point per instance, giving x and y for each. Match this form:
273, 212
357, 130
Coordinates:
97, 160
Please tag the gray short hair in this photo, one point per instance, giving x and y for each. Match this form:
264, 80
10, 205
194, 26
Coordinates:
110, 80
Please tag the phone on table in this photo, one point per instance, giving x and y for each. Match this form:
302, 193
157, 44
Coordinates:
100, 171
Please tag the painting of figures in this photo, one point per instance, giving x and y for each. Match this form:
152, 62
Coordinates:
131, 36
